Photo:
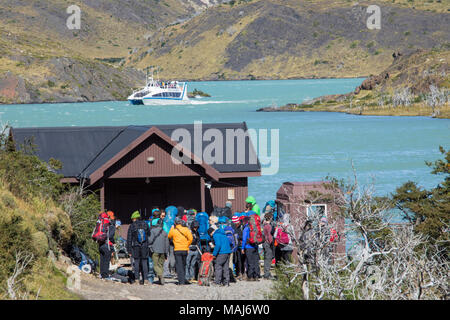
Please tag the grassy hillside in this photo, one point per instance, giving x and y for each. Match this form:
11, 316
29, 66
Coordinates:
414, 85
280, 39
41, 60
26, 226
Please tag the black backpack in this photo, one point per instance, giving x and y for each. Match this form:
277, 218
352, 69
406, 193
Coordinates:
140, 233
78, 256
221, 212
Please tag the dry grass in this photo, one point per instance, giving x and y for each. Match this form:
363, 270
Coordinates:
44, 278
199, 61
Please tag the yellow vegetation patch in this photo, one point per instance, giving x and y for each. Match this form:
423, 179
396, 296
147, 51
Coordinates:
199, 61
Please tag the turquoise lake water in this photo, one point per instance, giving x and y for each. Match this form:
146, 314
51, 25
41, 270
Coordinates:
390, 150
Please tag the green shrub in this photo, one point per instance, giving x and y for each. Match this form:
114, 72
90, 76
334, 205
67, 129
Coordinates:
40, 242
83, 212
9, 201
286, 287
27, 176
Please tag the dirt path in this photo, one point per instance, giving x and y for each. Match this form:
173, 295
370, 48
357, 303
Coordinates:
92, 288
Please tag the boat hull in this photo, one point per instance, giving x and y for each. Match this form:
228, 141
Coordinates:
158, 102
136, 101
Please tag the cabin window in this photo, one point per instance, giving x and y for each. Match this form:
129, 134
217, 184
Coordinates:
141, 94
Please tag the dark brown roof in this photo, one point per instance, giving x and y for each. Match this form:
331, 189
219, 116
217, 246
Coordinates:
83, 150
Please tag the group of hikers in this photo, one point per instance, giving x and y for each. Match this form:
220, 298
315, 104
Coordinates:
197, 246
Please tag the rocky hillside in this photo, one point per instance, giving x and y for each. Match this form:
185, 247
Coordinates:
280, 39
41, 60
415, 84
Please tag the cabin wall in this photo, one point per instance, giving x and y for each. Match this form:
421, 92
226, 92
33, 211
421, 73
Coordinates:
135, 164
230, 189
124, 196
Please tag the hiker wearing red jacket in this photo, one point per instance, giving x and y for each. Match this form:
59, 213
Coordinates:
106, 226
251, 252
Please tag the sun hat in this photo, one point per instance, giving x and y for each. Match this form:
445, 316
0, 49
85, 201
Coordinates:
110, 215
135, 215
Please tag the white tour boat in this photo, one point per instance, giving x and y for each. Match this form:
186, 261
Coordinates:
159, 92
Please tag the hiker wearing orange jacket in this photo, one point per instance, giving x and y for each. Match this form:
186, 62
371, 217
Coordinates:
182, 239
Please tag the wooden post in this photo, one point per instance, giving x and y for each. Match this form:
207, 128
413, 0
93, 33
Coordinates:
102, 194
202, 193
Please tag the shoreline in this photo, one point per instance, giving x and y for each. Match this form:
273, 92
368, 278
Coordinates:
271, 109
193, 81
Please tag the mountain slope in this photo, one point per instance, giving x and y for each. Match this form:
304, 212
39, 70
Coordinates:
417, 84
41, 60
290, 39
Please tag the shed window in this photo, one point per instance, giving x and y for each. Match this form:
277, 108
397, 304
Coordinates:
317, 211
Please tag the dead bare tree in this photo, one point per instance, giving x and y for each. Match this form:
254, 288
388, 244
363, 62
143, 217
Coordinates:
392, 261
71, 199
13, 283
402, 97
412, 271
437, 98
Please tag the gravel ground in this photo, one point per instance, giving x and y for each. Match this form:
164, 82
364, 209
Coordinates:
93, 288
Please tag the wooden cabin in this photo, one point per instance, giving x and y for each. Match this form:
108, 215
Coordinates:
131, 168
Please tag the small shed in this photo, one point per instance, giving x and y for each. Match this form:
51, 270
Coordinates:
303, 200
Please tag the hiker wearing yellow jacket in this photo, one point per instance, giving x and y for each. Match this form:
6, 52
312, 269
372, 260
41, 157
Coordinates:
182, 239
255, 207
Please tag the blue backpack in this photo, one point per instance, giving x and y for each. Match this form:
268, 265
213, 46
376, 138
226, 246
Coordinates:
203, 221
171, 213
223, 220
231, 235
141, 236
273, 206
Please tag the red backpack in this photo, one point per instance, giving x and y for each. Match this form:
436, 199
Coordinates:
334, 235
205, 272
256, 235
282, 236
100, 233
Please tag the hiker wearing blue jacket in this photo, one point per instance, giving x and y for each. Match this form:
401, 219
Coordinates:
222, 252
251, 252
